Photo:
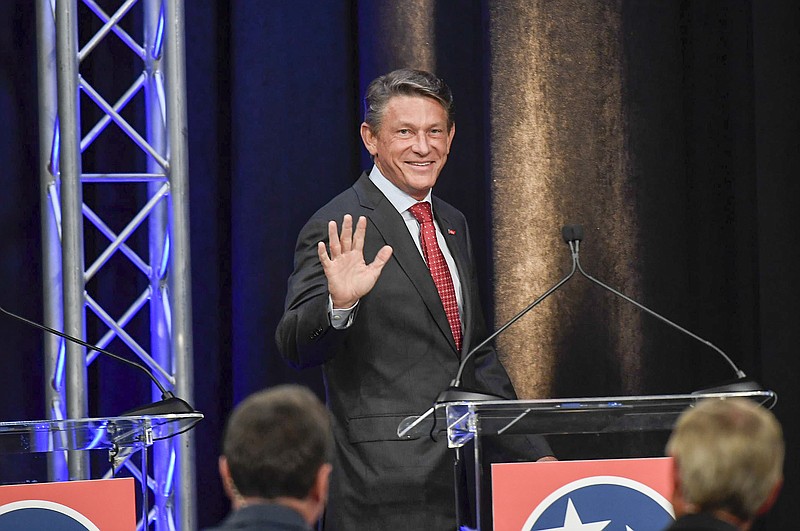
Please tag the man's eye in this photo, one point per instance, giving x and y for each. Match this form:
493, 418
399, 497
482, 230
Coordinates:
436, 131
404, 131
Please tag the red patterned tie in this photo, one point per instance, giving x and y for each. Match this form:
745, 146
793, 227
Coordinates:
438, 266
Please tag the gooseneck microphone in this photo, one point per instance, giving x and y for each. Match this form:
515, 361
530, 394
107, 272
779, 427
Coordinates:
169, 403
456, 393
573, 234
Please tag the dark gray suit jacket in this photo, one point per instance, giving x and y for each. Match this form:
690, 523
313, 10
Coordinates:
391, 363
263, 517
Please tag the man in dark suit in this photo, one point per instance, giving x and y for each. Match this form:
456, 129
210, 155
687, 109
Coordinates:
728, 465
275, 461
389, 334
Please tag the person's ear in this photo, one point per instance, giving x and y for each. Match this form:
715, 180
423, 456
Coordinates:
450, 134
771, 499
227, 480
318, 495
679, 505
319, 490
369, 138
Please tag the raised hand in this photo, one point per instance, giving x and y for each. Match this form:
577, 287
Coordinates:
349, 276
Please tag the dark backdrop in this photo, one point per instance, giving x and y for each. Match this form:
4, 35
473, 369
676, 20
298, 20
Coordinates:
274, 107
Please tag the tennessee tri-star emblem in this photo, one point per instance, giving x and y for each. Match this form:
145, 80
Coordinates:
592, 495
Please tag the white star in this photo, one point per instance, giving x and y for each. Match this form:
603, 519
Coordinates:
572, 522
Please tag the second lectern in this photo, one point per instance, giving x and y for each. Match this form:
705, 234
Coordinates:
474, 422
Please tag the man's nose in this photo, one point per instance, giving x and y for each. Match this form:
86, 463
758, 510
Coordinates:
421, 145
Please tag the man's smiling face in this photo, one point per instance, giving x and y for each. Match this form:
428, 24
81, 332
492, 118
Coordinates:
412, 144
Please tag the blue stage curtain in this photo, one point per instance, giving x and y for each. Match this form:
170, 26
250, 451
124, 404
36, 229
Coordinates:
706, 102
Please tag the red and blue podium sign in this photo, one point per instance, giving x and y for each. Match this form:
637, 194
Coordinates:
103, 504
608, 495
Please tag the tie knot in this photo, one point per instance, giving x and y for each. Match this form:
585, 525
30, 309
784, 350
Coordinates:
421, 211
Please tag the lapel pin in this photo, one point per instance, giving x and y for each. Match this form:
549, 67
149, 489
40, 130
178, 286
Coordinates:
451, 232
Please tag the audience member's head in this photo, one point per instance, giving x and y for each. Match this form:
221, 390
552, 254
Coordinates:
728, 460
277, 449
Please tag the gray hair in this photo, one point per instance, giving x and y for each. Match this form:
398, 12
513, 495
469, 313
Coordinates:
729, 455
404, 82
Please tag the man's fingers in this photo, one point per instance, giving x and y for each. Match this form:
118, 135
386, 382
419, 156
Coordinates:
346, 238
360, 234
322, 252
333, 239
381, 258
350, 239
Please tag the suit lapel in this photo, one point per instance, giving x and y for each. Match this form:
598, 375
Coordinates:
389, 223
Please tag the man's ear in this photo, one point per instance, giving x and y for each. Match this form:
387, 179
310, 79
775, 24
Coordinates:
319, 490
318, 495
369, 138
450, 134
770, 501
679, 505
227, 480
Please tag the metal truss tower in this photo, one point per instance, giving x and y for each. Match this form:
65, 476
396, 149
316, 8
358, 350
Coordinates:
79, 202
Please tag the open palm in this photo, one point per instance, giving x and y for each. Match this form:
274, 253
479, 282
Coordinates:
349, 276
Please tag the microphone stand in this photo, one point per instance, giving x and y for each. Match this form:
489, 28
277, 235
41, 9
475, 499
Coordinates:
572, 235
456, 393
740, 383
169, 403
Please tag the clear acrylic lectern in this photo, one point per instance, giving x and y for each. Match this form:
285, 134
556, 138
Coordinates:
120, 436
473, 421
